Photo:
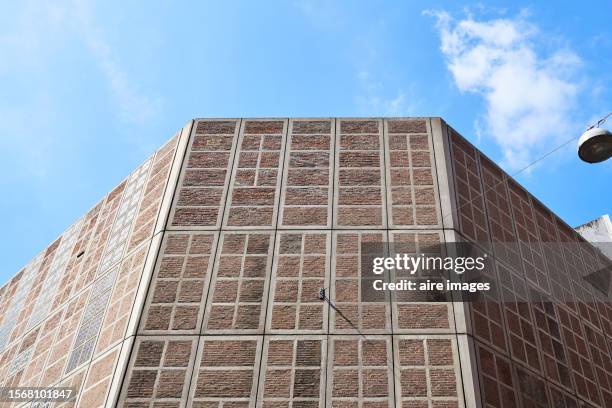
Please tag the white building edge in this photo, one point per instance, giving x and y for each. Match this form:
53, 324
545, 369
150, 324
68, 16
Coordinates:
599, 233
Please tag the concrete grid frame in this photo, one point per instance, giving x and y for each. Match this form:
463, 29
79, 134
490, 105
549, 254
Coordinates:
195, 281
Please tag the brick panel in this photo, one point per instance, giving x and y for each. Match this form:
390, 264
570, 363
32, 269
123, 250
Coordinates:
122, 300
469, 190
10, 290
19, 292
153, 194
226, 372
562, 264
524, 218
518, 317
159, 371
175, 302
126, 214
487, 319
359, 176
498, 386
597, 304
96, 387
39, 350
58, 356
239, 286
77, 258
301, 269
63, 255
501, 223
200, 195
574, 337
360, 371
487, 309
601, 364
427, 371
93, 254
253, 197
539, 248
561, 399
531, 389
91, 320
604, 307
410, 315
8, 377
35, 291
412, 193
351, 314
553, 353
74, 381
548, 236
586, 294
308, 175
17, 366
541, 259
293, 372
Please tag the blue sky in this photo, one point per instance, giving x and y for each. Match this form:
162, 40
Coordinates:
89, 90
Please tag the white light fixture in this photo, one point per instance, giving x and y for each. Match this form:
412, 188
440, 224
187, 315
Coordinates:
595, 144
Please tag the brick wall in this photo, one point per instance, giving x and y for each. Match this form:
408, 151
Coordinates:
544, 339
283, 207
195, 281
65, 316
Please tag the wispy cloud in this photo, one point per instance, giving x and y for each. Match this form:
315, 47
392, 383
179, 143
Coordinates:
42, 26
529, 96
375, 91
134, 105
32, 44
322, 14
372, 97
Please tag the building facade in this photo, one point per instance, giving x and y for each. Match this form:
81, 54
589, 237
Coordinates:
599, 233
195, 282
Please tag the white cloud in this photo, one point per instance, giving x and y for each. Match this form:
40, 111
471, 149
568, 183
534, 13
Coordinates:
529, 97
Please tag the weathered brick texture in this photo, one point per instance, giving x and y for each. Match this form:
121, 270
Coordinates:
409, 314
307, 178
239, 285
427, 370
160, 369
302, 268
369, 317
96, 386
122, 300
360, 176
227, 371
200, 196
360, 370
195, 282
253, 192
176, 299
468, 185
546, 337
153, 193
293, 371
412, 191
